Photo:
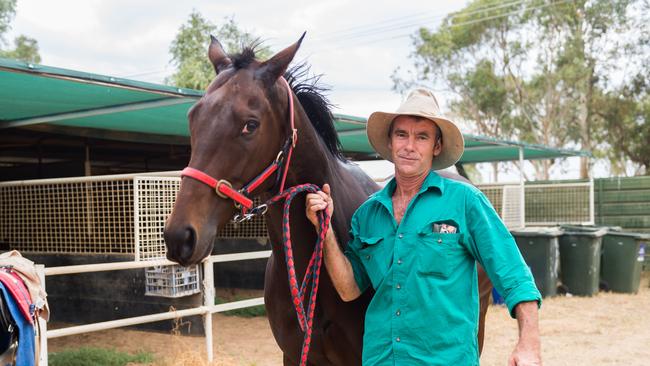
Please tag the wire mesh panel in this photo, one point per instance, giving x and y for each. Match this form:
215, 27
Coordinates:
545, 204
560, 203
82, 215
154, 202
494, 194
511, 208
120, 214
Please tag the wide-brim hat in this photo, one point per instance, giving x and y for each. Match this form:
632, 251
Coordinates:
422, 103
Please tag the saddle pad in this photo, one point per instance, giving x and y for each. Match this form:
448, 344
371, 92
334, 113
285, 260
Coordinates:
18, 290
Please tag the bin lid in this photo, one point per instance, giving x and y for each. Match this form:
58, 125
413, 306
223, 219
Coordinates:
629, 233
643, 236
595, 231
551, 231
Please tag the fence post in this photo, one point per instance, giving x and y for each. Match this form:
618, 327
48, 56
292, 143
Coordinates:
42, 324
522, 192
136, 217
592, 215
208, 302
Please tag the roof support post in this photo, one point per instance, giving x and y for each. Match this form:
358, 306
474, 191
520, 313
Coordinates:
522, 192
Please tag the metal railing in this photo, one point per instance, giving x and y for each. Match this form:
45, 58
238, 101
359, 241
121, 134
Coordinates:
206, 310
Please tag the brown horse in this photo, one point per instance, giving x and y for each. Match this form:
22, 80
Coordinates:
237, 129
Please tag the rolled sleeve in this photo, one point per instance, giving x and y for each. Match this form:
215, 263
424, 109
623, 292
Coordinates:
524, 292
494, 247
351, 252
360, 275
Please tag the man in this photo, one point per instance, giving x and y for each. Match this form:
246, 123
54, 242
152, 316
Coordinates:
416, 242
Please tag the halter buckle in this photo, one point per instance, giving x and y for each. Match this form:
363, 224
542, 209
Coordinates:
219, 183
294, 137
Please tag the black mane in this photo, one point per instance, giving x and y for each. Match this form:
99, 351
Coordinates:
318, 108
310, 94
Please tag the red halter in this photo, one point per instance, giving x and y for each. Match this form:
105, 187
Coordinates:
224, 189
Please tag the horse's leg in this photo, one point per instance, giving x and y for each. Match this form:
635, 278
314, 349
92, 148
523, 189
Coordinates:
484, 290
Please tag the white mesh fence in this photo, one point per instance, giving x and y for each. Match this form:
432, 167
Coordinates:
565, 203
511, 207
154, 202
120, 214
68, 215
494, 193
545, 204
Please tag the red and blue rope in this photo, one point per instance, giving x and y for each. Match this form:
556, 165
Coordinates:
312, 274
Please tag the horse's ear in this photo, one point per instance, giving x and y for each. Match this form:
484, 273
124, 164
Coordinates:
217, 55
271, 70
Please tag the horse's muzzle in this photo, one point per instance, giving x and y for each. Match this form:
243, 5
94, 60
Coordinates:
181, 244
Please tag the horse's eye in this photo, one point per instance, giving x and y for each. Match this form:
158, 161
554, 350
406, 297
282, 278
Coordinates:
250, 126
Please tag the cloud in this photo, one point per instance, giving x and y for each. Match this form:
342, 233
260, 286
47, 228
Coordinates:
349, 42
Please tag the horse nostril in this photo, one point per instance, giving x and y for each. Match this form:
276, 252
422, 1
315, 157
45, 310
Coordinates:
180, 244
187, 244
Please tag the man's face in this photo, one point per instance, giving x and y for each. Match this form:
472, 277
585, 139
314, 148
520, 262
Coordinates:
413, 143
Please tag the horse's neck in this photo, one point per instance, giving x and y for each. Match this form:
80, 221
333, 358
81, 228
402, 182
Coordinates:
311, 162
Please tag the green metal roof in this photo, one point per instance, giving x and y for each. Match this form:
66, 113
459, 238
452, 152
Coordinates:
84, 104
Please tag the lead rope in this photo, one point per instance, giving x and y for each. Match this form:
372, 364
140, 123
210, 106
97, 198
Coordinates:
313, 268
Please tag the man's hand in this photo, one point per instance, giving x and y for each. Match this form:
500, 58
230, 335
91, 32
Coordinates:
527, 352
319, 201
337, 265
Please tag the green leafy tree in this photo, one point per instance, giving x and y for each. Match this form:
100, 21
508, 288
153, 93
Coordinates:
7, 12
530, 68
25, 48
189, 49
625, 113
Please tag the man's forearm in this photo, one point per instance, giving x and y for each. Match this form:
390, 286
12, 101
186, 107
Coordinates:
528, 349
339, 269
527, 319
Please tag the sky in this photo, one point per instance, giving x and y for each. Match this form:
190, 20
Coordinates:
356, 45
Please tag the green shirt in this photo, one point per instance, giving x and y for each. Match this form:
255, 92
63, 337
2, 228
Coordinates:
425, 308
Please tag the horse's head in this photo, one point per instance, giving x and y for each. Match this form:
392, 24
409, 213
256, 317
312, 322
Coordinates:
237, 129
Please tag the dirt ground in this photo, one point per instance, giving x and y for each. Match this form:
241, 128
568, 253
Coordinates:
607, 329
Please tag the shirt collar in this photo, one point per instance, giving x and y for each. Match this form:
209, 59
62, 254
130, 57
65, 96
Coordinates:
385, 195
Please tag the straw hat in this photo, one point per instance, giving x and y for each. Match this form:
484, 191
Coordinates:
422, 103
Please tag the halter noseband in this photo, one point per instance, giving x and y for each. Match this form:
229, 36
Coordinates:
241, 198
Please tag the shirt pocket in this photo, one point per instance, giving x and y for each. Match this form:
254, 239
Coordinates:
435, 253
374, 259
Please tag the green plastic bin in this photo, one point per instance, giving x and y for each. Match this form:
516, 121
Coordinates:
540, 248
622, 261
580, 249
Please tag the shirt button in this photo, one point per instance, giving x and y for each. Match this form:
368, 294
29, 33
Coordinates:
398, 313
398, 286
397, 339
399, 261
368, 256
401, 236
439, 240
